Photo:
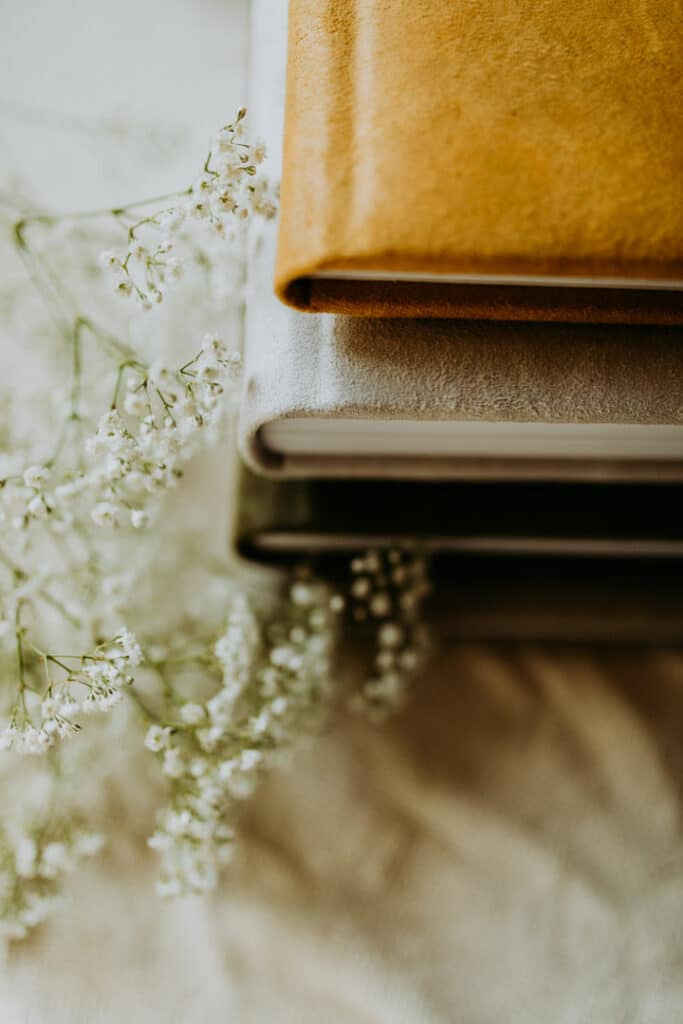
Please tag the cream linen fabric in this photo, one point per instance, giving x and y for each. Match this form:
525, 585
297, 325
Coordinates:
508, 849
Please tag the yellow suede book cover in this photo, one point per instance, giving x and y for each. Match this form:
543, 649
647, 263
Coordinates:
502, 158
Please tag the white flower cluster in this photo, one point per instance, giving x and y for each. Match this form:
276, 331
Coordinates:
388, 589
90, 683
136, 452
143, 450
26, 498
228, 192
31, 865
214, 753
215, 730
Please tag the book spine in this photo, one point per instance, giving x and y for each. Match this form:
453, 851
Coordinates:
265, 323
320, 161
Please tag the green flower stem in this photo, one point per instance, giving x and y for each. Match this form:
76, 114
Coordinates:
41, 592
140, 704
110, 211
117, 386
116, 348
21, 664
43, 281
55, 603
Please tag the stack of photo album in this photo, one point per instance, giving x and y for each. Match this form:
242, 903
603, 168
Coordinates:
465, 331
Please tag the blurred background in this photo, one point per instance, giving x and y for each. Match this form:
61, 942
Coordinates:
100, 101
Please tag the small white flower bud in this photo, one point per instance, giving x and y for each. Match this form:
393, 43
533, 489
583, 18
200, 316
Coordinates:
37, 508
109, 260
173, 764
360, 588
157, 738
250, 759
124, 286
390, 635
137, 251
279, 705
36, 476
25, 857
259, 151
380, 605
192, 714
105, 514
135, 403
173, 269
139, 518
301, 595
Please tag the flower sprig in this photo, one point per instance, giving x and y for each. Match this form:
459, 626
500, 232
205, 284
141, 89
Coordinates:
119, 421
388, 590
213, 753
143, 441
139, 448
33, 862
229, 191
53, 689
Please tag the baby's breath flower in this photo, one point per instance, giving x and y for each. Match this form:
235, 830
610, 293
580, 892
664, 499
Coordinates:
389, 588
250, 759
192, 714
173, 269
173, 764
230, 701
106, 513
82, 684
36, 476
25, 853
257, 712
123, 286
135, 403
230, 189
139, 518
38, 507
137, 251
141, 450
31, 866
170, 221
110, 260
157, 738
131, 652
259, 151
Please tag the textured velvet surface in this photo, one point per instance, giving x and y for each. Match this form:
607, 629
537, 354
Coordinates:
493, 136
492, 302
335, 366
